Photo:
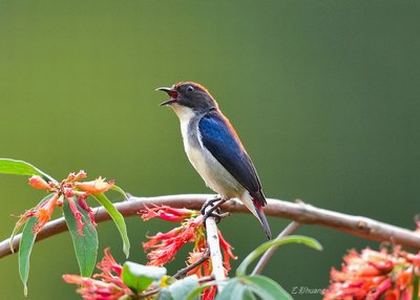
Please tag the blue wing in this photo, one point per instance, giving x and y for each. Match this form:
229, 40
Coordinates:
221, 140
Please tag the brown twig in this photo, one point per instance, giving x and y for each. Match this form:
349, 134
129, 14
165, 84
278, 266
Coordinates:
303, 213
270, 252
182, 272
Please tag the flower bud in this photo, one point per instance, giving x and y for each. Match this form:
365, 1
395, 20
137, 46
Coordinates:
96, 186
38, 183
76, 176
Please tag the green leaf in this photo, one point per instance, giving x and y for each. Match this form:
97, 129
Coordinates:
25, 248
244, 288
117, 218
20, 167
120, 190
266, 288
195, 293
310, 242
22, 222
416, 287
234, 289
181, 289
139, 277
16, 229
248, 295
86, 245
165, 294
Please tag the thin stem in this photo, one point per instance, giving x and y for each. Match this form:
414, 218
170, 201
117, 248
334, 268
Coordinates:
182, 272
149, 293
363, 227
262, 263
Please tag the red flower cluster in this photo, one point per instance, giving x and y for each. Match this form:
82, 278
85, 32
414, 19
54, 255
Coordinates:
108, 286
163, 247
202, 270
375, 275
71, 189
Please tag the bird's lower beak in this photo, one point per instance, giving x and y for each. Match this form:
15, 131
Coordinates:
171, 92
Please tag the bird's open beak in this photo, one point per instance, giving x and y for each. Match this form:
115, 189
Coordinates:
171, 92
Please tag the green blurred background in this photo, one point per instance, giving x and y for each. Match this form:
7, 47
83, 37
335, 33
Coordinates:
325, 95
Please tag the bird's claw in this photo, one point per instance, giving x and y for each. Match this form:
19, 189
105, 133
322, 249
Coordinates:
217, 215
209, 202
210, 209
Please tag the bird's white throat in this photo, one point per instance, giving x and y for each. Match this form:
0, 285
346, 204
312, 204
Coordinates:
184, 113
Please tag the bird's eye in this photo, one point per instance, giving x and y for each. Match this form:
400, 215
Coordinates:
190, 88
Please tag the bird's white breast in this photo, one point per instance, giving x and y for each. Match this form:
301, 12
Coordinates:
213, 173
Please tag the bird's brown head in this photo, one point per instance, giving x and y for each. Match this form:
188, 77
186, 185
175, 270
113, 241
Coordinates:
190, 95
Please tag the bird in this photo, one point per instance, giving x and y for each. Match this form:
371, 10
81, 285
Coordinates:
214, 149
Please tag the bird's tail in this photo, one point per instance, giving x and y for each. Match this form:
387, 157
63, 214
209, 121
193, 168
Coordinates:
257, 209
263, 220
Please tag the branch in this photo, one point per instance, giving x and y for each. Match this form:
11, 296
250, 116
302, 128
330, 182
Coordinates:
213, 243
303, 213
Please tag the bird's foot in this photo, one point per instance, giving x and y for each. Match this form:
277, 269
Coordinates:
209, 202
216, 214
210, 209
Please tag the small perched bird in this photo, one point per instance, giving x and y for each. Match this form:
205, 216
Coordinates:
214, 148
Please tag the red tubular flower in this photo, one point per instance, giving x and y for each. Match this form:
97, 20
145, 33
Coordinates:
45, 210
77, 214
37, 182
227, 252
42, 212
202, 270
92, 289
108, 264
96, 186
108, 286
72, 177
83, 204
209, 293
111, 270
167, 213
374, 275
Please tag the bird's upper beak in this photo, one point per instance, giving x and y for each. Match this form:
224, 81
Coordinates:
171, 92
